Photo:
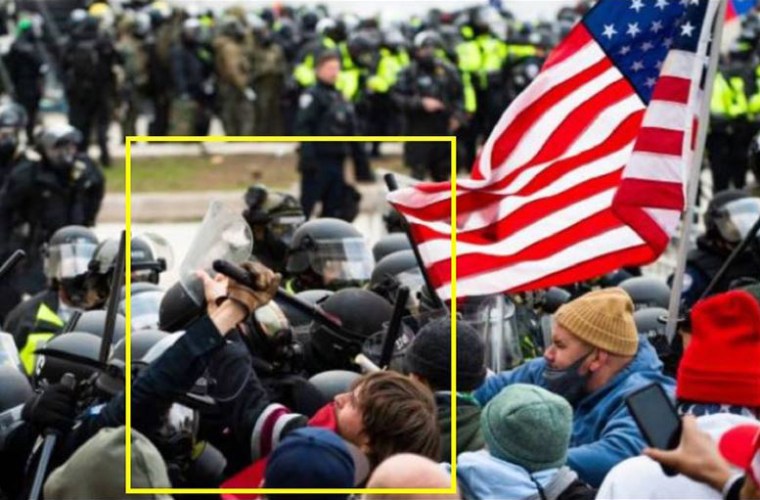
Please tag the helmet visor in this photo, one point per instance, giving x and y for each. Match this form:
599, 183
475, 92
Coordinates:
346, 259
145, 308
737, 218
283, 227
69, 259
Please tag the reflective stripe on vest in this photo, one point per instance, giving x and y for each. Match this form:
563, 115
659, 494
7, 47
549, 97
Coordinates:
45, 318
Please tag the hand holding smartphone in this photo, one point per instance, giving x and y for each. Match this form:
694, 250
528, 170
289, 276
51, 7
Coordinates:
656, 418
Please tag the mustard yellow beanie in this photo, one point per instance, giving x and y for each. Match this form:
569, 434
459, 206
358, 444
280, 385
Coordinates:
602, 318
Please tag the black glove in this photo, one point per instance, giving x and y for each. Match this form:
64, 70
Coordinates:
53, 408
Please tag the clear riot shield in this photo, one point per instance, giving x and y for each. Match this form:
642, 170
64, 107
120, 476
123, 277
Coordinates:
223, 234
493, 317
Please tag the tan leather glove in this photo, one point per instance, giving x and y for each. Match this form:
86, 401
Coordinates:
267, 282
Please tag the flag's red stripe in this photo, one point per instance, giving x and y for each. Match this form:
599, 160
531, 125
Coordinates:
633, 256
660, 141
657, 194
575, 124
515, 132
575, 40
672, 89
478, 263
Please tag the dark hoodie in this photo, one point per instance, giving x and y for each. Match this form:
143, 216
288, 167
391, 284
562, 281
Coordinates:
469, 437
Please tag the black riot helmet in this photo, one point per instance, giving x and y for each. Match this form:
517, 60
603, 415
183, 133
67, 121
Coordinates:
150, 256
396, 270
94, 322
647, 292
12, 120
66, 259
146, 302
329, 253
75, 352
723, 222
274, 218
111, 381
300, 322
389, 244
15, 389
734, 219
58, 145
363, 49
334, 382
361, 313
426, 44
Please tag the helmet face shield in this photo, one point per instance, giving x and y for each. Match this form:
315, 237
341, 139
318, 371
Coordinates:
69, 260
346, 259
736, 218
145, 306
283, 227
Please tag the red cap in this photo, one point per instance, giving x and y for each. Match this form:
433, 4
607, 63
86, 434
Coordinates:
721, 363
741, 447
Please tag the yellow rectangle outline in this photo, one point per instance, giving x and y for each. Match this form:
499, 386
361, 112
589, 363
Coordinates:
128, 312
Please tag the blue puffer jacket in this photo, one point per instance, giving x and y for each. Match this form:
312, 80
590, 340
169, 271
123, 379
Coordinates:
604, 432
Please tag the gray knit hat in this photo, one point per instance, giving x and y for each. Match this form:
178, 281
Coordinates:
528, 426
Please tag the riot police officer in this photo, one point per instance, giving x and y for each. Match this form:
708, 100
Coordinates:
429, 93
729, 215
34, 321
323, 111
41, 196
12, 119
26, 69
327, 254
274, 217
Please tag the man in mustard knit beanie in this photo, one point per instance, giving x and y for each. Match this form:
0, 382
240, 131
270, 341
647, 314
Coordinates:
595, 361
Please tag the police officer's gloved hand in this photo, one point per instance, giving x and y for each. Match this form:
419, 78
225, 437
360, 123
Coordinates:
53, 408
267, 282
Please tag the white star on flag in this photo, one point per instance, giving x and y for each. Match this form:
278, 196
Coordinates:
650, 82
637, 66
637, 5
656, 26
624, 50
661, 4
609, 31
687, 29
647, 46
633, 29
667, 42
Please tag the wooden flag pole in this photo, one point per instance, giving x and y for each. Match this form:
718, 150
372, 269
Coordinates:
696, 167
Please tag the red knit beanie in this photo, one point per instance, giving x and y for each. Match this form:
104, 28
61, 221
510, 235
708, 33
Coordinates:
722, 363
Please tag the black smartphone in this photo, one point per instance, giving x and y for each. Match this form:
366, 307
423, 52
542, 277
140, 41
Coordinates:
656, 418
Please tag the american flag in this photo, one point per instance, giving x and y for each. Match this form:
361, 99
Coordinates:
584, 172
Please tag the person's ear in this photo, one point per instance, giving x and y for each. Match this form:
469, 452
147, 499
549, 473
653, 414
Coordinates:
598, 360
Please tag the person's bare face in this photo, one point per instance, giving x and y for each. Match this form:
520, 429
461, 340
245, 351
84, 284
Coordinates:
328, 71
565, 349
349, 418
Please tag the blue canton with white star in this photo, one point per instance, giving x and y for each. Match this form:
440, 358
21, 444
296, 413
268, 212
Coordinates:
637, 34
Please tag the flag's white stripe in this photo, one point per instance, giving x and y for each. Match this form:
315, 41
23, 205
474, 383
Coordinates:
597, 133
667, 219
439, 250
542, 129
513, 276
589, 55
654, 167
680, 64
667, 115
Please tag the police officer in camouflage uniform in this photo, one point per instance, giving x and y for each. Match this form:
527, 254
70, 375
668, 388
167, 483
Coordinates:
268, 69
429, 92
234, 72
324, 111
